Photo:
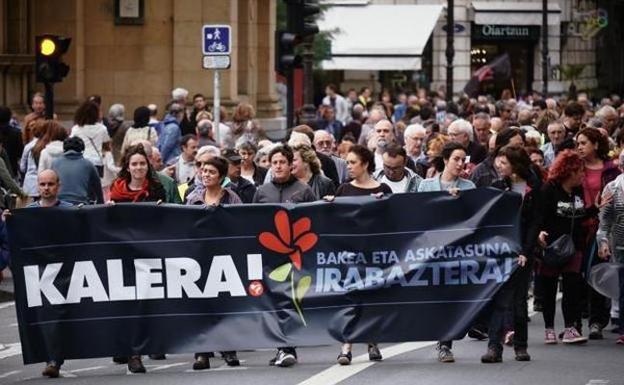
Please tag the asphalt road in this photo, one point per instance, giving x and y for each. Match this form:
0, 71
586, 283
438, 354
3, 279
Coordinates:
598, 362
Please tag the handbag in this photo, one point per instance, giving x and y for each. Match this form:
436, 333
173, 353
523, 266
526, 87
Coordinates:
99, 169
561, 250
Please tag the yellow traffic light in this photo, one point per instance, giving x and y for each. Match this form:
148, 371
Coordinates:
48, 47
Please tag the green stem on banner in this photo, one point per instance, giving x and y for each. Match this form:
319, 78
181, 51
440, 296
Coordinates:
292, 288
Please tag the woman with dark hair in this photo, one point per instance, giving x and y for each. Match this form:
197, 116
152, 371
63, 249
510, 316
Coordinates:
454, 157
93, 134
140, 130
50, 146
307, 168
137, 180
249, 170
360, 165
563, 210
517, 174
485, 173
593, 148
211, 193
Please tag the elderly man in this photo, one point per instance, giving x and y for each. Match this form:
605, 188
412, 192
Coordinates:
376, 115
556, 134
382, 136
180, 96
414, 137
394, 173
609, 118
482, 125
461, 131
324, 143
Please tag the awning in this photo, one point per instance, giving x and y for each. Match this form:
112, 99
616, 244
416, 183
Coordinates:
514, 13
378, 37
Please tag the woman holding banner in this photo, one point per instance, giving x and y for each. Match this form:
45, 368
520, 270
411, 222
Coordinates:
360, 165
518, 175
137, 182
454, 157
210, 193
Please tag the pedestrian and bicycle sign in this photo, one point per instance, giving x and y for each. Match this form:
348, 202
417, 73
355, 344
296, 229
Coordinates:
217, 39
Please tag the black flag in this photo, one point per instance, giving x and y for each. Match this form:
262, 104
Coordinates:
499, 68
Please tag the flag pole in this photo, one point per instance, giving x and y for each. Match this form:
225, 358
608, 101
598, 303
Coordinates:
513, 88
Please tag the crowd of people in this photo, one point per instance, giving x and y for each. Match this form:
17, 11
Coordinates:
564, 156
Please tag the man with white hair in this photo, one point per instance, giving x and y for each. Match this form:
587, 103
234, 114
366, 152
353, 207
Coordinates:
481, 124
324, 143
556, 134
414, 136
461, 131
153, 120
117, 129
180, 96
609, 118
376, 115
381, 137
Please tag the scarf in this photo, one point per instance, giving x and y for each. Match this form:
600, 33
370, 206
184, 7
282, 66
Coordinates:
121, 193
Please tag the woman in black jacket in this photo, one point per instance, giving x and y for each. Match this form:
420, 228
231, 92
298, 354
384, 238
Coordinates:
563, 212
518, 175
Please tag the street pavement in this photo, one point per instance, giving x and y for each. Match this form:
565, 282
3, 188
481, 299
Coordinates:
597, 363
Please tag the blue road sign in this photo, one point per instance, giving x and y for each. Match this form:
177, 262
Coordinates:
217, 39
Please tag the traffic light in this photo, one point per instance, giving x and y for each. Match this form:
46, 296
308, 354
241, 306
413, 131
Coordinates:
302, 14
49, 67
300, 27
285, 57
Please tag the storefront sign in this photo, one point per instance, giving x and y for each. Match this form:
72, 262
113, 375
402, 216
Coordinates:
505, 32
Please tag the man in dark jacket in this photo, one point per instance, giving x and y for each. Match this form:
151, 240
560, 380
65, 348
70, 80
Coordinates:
80, 182
10, 139
241, 186
283, 188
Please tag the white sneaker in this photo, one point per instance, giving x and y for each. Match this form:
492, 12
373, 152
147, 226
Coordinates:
284, 359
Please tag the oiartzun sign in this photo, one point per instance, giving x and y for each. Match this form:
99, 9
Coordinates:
141, 278
505, 32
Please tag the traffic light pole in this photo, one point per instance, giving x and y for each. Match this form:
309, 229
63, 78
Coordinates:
49, 100
290, 98
308, 110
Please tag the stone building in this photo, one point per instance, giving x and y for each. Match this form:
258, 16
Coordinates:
484, 29
135, 52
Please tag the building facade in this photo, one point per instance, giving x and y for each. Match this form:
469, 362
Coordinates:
136, 52
485, 29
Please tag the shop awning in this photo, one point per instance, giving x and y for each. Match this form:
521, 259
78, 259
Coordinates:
514, 13
378, 37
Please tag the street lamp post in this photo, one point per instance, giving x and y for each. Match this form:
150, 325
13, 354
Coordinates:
545, 47
450, 50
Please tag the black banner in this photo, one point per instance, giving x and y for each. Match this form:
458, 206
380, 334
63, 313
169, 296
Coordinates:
139, 279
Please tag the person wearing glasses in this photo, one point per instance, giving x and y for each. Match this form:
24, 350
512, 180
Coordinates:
462, 132
395, 174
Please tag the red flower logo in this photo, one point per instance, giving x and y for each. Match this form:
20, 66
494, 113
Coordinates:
292, 241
